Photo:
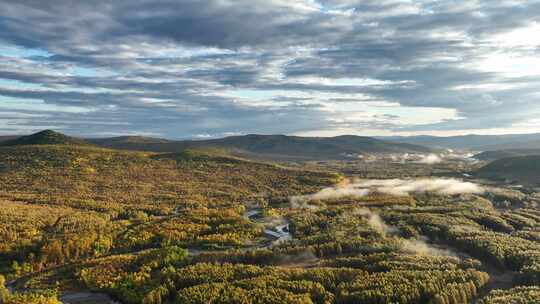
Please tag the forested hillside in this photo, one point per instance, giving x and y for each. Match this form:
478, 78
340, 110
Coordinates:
204, 227
46, 137
498, 154
522, 169
273, 147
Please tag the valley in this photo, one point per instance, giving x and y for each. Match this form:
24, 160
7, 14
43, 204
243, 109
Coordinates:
269, 152
83, 224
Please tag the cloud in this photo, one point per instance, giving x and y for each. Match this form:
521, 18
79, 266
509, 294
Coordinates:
179, 69
375, 221
421, 247
430, 159
328, 194
398, 187
445, 186
416, 246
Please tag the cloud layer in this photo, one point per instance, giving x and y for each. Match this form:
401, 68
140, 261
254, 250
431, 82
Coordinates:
212, 68
398, 187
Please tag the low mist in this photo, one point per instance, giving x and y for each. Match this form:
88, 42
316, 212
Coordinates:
417, 246
398, 187
430, 159
375, 221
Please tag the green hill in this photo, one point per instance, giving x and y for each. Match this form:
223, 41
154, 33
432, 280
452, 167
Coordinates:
524, 170
8, 137
472, 142
129, 142
46, 137
102, 176
265, 147
498, 154
273, 147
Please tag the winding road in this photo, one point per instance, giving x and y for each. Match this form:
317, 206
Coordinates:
86, 298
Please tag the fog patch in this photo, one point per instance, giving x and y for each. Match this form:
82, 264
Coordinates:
299, 259
302, 202
418, 246
417, 158
430, 159
375, 221
421, 247
400, 187
332, 193
397, 187
343, 189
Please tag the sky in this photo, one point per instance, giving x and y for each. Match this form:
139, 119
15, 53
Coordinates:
214, 68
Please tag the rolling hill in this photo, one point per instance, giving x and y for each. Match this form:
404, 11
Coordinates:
473, 142
280, 147
499, 154
524, 170
8, 137
46, 137
111, 176
263, 147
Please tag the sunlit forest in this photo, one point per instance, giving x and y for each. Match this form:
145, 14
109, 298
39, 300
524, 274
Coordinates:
270, 152
202, 226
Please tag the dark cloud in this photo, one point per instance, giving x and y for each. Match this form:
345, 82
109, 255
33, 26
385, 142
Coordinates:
186, 68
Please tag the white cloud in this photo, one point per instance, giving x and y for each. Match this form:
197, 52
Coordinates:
397, 187
527, 37
430, 159
323, 67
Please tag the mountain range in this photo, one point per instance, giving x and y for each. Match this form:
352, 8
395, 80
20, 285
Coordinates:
499, 154
517, 165
272, 147
472, 142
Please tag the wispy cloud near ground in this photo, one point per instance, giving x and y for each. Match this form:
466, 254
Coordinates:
397, 187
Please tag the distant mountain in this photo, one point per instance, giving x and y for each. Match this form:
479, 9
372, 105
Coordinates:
8, 137
46, 137
524, 170
141, 143
473, 142
498, 154
270, 146
132, 142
